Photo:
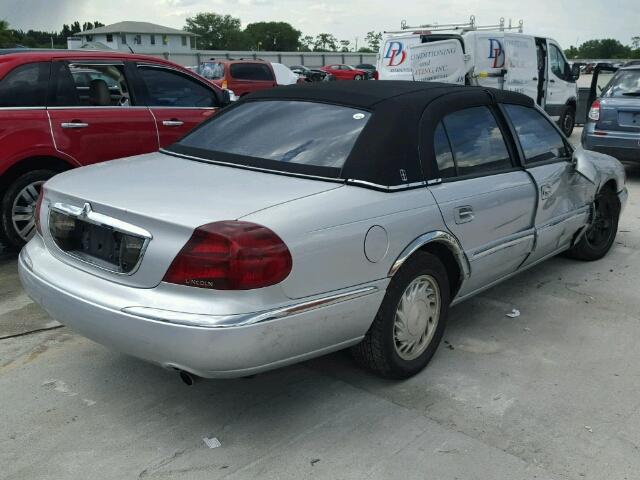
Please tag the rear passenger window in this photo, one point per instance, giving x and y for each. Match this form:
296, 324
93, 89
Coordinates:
539, 140
476, 141
251, 71
25, 86
444, 157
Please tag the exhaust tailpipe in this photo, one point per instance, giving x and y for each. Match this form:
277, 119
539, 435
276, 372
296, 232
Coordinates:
189, 379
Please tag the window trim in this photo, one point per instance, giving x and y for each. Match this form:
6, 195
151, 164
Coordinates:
508, 141
516, 139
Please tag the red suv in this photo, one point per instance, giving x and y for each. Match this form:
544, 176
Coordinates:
239, 76
346, 72
64, 109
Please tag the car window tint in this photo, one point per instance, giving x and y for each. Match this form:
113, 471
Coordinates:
25, 86
538, 138
88, 85
476, 141
444, 156
251, 71
168, 88
286, 131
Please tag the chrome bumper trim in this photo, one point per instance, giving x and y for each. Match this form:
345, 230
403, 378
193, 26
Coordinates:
243, 320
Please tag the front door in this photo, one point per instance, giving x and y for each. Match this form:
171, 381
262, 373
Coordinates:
178, 101
561, 87
486, 200
93, 113
562, 207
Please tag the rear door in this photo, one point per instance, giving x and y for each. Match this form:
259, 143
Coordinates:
441, 61
101, 120
247, 77
562, 193
177, 100
487, 201
521, 64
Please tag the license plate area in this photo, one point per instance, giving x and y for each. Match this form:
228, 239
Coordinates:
629, 119
92, 241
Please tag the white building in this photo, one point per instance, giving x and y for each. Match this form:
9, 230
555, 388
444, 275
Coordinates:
141, 37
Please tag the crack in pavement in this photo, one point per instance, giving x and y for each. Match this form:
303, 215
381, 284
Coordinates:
37, 330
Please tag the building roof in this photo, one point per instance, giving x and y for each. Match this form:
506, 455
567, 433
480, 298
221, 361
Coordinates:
136, 27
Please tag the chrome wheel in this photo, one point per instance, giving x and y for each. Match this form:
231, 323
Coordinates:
23, 210
416, 318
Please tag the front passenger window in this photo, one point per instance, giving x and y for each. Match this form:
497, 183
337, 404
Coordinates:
539, 140
169, 88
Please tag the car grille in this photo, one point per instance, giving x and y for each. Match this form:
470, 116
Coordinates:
92, 242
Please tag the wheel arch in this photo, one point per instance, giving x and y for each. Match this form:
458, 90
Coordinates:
444, 246
29, 164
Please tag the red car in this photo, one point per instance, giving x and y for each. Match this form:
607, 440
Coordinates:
239, 76
64, 109
345, 72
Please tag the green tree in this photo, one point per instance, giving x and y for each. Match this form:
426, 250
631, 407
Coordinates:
345, 45
273, 36
373, 40
306, 43
572, 52
216, 32
325, 42
91, 26
6, 36
604, 48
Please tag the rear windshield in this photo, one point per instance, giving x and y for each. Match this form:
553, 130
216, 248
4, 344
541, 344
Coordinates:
282, 133
211, 70
251, 71
626, 83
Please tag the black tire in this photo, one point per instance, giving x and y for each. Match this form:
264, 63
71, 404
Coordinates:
377, 351
357, 77
567, 120
10, 234
599, 237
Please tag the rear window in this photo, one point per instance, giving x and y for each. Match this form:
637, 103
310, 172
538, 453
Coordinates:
626, 83
282, 133
212, 71
251, 71
25, 86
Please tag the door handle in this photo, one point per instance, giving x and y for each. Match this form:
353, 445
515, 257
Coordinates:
463, 214
74, 125
174, 122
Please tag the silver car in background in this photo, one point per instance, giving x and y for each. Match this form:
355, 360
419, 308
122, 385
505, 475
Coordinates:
613, 121
312, 218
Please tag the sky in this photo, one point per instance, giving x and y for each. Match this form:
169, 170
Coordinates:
570, 22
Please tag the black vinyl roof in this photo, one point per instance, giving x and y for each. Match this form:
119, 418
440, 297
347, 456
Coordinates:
395, 148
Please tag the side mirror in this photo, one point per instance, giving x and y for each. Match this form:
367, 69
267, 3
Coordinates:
226, 97
575, 71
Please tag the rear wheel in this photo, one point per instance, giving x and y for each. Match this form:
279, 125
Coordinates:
568, 120
410, 322
17, 217
600, 235
358, 77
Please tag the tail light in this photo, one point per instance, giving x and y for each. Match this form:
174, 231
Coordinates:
37, 209
594, 111
224, 84
231, 255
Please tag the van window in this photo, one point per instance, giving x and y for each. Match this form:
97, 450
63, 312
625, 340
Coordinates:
477, 142
25, 86
557, 62
251, 71
539, 140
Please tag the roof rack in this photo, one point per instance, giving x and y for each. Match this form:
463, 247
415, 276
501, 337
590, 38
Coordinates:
461, 27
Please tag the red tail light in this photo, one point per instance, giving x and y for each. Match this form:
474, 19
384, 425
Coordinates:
37, 209
231, 255
594, 112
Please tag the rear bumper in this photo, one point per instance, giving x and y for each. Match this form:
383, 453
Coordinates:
625, 146
208, 346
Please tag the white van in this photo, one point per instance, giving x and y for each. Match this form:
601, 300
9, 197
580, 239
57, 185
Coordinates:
492, 56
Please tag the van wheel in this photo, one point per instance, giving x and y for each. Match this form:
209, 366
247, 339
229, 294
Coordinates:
568, 120
18, 206
409, 325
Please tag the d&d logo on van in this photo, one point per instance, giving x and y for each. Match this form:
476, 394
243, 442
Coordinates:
496, 52
395, 54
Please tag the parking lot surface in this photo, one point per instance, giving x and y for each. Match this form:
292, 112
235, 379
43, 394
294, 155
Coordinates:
553, 393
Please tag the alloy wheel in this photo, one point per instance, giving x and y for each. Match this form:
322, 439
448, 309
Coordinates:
23, 210
416, 318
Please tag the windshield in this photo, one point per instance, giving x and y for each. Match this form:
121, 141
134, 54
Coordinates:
624, 84
212, 71
281, 132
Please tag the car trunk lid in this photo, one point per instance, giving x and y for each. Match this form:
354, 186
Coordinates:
619, 114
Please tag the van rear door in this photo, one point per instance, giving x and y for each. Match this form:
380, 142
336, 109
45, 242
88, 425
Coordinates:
521, 64
441, 61
393, 59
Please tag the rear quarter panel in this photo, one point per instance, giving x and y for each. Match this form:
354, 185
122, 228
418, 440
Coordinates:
326, 234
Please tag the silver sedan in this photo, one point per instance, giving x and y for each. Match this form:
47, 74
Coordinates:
308, 219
